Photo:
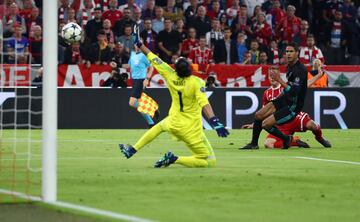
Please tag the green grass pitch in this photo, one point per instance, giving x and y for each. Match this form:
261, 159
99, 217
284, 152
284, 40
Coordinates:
263, 185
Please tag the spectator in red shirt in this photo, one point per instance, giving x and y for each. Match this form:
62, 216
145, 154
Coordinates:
300, 38
201, 55
262, 30
309, 53
215, 10
25, 11
289, 26
113, 14
190, 42
11, 19
34, 19
277, 13
86, 13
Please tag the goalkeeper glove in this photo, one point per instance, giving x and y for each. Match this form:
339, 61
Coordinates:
136, 36
219, 127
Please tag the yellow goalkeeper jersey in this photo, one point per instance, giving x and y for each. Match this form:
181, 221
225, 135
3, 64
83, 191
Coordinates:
187, 94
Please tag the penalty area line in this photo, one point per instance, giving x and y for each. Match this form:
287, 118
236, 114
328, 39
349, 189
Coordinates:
86, 209
327, 160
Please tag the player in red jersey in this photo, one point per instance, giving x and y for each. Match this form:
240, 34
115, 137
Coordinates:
301, 123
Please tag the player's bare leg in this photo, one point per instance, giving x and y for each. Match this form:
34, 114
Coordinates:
260, 115
316, 130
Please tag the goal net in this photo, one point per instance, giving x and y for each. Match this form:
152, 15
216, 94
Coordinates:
28, 116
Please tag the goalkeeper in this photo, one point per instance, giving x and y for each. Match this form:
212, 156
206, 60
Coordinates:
184, 120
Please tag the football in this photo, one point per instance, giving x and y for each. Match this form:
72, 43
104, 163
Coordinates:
71, 32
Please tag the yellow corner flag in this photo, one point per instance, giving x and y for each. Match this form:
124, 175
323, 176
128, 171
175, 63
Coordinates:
147, 105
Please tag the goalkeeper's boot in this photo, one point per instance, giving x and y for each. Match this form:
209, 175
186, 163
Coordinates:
250, 146
325, 143
166, 160
127, 150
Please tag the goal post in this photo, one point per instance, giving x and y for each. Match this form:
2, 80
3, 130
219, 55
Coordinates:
49, 119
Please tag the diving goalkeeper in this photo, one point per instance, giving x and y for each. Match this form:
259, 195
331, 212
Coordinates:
184, 120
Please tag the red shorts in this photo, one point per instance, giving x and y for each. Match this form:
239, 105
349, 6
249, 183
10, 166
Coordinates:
296, 125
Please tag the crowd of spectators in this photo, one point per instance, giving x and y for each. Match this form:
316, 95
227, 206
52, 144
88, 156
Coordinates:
207, 31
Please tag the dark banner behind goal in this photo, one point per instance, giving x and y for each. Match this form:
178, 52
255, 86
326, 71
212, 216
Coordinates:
103, 108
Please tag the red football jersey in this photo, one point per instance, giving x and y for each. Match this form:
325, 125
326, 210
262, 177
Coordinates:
270, 94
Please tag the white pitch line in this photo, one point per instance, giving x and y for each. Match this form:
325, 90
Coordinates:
327, 160
90, 210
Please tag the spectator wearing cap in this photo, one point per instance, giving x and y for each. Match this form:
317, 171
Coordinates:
149, 11
124, 21
172, 12
300, 38
99, 53
289, 26
225, 50
189, 43
126, 39
169, 41
241, 46
11, 19
18, 47
309, 53
131, 6
158, 22
113, 14
214, 34
94, 26
149, 35
201, 23
35, 44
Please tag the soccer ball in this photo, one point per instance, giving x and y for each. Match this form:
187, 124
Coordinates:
71, 32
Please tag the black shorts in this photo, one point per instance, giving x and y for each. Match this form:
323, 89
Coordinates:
137, 88
284, 113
